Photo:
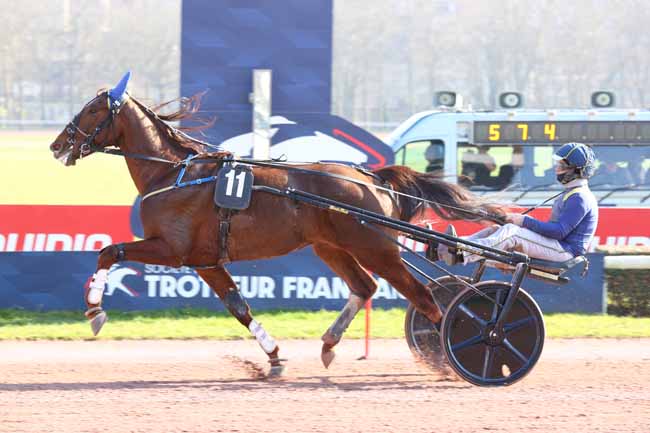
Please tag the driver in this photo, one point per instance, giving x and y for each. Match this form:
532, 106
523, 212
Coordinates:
567, 233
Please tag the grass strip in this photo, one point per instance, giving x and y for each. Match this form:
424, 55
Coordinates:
206, 324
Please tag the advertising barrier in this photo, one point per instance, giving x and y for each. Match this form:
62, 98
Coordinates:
55, 281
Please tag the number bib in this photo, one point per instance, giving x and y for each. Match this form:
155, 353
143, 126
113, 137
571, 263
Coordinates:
234, 187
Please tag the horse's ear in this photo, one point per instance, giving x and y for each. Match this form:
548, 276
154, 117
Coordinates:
117, 93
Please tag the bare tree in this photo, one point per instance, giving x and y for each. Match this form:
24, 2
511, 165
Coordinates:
554, 52
55, 55
390, 56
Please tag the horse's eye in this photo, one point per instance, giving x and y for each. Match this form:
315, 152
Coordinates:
93, 111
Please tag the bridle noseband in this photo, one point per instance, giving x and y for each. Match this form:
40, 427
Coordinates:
89, 146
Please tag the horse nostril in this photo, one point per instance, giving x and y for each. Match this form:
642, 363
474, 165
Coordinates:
55, 146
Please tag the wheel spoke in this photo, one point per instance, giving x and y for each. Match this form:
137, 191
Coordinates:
423, 332
477, 320
495, 308
467, 343
487, 361
514, 350
517, 324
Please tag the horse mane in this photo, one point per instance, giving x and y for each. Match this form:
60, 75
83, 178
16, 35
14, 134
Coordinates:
449, 201
189, 106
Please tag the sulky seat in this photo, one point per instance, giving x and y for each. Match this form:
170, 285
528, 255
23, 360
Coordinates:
559, 272
552, 272
558, 268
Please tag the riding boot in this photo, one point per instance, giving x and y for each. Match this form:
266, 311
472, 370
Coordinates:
450, 255
432, 251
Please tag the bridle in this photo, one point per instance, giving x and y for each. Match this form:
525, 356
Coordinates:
89, 146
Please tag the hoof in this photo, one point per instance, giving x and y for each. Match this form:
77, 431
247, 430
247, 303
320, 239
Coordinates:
276, 371
327, 357
435, 316
330, 340
97, 322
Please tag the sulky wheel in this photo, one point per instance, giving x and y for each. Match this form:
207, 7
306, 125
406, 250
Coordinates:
422, 336
486, 356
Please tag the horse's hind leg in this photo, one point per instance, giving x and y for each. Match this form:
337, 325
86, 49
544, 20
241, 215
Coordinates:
387, 263
222, 284
362, 286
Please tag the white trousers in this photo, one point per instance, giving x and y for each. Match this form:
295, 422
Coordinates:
511, 237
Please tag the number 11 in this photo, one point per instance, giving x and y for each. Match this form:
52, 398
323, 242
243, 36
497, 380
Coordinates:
240, 183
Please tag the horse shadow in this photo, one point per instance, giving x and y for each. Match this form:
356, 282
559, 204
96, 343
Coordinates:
356, 382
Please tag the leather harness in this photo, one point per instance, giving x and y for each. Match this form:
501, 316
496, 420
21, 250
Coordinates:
226, 214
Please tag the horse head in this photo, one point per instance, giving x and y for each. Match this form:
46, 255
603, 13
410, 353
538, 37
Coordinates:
93, 128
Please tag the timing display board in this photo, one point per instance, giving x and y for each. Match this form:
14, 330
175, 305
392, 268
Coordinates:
539, 132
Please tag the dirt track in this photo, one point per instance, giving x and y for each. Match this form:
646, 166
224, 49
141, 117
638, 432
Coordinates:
201, 386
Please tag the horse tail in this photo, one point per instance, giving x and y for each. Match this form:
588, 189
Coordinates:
449, 201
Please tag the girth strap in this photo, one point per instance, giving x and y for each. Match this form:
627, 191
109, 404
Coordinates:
224, 231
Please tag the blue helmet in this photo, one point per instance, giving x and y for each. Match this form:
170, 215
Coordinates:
578, 156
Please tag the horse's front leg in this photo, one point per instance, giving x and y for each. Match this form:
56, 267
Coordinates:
153, 251
222, 284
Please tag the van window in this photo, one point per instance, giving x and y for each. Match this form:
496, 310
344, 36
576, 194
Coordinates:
488, 167
427, 156
522, 167
618, 166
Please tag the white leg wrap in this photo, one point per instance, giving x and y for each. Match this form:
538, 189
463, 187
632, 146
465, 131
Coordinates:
96, 288
265, 340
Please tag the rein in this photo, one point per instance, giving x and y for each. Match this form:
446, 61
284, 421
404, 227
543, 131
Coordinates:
273, 164
89, 146
118, 152
480, 214
530, 209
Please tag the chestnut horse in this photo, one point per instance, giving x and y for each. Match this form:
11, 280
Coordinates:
181, 226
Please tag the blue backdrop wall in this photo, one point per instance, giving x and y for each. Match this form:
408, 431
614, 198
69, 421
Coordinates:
223, 41
55, 281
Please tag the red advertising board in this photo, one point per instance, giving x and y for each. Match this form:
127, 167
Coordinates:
62, 228
90, 228
617, 226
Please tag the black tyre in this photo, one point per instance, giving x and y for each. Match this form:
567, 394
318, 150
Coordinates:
482, 354
422, 336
